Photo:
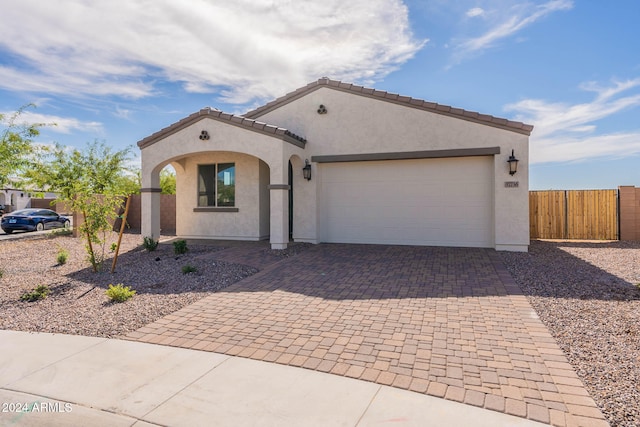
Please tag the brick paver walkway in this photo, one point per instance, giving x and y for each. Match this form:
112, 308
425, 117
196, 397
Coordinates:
448, 322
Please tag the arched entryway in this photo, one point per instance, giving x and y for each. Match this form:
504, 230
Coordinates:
221, 195
259, 155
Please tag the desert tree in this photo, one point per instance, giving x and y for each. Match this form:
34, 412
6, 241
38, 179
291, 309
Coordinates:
16, 144
93, 182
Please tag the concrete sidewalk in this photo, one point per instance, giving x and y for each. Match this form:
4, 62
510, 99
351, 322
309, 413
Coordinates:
68, 380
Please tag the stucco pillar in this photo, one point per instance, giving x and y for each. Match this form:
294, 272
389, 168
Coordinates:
150, 212
511, 201
279, 216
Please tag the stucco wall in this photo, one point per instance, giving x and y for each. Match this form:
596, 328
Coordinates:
243, 224
305, 211
223, 137
358, 124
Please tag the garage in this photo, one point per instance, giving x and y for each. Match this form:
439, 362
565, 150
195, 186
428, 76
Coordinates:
434, 202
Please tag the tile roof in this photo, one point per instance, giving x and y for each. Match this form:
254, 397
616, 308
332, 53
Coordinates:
395, 98
215, 114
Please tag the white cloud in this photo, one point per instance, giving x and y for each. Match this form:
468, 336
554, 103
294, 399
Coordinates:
122, 113
476, 11
59, 124
246, 49
504, 23
568, 132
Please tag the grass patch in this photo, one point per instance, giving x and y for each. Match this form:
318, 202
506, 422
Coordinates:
119, 292
38, 293
60, 232
188, 269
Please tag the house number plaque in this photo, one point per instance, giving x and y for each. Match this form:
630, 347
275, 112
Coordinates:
512, 184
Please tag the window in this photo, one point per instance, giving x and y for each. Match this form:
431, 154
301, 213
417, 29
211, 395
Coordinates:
217, 185
226, 184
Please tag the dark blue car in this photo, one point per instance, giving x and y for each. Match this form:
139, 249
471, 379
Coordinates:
33, 220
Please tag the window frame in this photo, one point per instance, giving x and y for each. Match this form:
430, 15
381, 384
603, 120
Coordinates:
215, 193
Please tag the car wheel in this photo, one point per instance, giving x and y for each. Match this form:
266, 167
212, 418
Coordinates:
8, 231
39, 226
67, 224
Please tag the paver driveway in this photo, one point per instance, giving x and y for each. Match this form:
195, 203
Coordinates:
448, 322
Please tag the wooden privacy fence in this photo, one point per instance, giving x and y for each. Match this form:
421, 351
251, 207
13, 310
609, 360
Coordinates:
574, 214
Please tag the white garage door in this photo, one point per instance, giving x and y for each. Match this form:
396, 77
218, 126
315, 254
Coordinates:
435, 202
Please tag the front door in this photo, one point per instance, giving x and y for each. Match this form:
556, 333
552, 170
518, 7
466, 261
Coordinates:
290, 201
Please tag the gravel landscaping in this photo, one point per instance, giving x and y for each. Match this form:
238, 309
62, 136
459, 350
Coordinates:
77, 303
587, 295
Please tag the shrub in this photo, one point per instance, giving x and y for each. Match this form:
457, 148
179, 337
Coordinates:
95, 258
180, 247
114, 246
119, 292
149, 244
62, 256
38, 293
59, 232
1, 273
188, 269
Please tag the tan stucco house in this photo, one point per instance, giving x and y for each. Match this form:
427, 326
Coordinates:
384, 169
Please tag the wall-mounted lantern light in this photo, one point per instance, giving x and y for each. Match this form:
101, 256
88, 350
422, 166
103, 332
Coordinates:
513, 164
322, 109
204, 135
306, 170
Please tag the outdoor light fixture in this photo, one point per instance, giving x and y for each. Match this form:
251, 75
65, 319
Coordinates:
513, 164
306, 170
204, 135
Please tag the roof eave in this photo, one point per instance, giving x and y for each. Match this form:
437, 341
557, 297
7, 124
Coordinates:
231, 119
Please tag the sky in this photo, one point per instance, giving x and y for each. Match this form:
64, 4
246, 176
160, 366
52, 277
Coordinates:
118, 71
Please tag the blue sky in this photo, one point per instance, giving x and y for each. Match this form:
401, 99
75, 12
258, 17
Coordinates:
119, 71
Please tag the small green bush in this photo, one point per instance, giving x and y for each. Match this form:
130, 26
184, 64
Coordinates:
62, 257
180, 247
114, 246
188, 269
149, 244
1, 273
38, 293
119, 292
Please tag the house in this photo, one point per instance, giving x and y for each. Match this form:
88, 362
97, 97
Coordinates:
14, 199
335, 162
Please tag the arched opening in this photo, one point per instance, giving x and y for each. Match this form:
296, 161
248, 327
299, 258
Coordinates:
168, 179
